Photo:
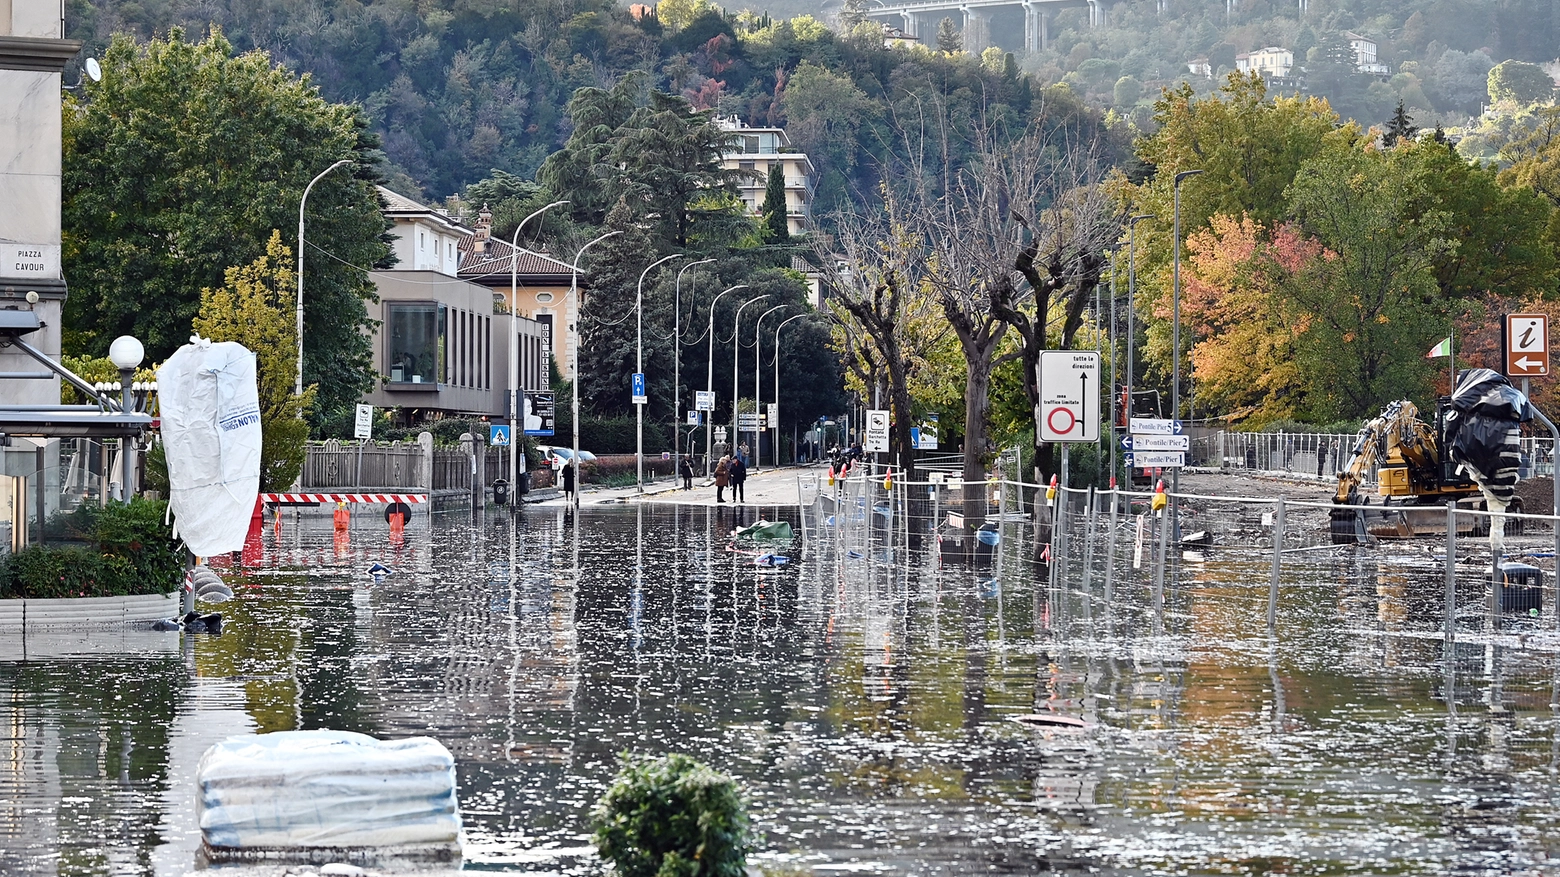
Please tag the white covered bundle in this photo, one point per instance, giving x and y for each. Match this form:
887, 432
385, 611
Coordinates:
309, 789
210, 406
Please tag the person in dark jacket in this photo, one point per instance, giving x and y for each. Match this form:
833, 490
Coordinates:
685, 469
738, 476
568, 480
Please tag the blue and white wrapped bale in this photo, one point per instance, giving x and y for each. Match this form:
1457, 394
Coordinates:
319, 796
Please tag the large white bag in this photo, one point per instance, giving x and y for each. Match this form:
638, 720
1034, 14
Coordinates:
296, 790
211, 431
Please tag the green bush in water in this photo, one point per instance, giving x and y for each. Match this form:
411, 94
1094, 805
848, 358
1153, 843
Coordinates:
118, 550
672, 817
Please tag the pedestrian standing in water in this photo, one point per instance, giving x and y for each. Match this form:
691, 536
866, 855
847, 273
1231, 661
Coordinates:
568, 480
686, 471
722, 474
738, 478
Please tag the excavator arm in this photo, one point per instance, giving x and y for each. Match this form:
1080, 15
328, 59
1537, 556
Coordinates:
1396, 429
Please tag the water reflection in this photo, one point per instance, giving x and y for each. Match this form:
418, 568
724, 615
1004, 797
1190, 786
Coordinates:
864, 692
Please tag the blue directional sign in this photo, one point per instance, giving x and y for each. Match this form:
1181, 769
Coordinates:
1154, 426
498, 436
640, 398
1155, 459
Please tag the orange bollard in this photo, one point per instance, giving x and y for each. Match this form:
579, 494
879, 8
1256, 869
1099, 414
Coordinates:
397, 525
342, 516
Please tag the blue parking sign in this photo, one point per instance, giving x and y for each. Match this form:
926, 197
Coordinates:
498, 436
639, 389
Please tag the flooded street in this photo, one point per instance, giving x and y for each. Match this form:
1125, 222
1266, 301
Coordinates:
866, 695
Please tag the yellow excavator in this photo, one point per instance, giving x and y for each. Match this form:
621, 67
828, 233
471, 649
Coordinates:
1414, 478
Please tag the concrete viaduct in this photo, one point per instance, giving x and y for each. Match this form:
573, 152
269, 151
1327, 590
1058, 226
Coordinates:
920, 18
977, 15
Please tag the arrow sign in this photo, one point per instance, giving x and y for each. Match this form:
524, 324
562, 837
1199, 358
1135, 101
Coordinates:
1157, 442
1154, 426
638, 381
1156, 459
1526, 343
1068, 381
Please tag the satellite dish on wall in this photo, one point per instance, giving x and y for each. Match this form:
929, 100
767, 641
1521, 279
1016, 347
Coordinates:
94, 70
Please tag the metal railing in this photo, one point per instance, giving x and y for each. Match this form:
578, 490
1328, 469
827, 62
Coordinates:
335, 464
1318, 454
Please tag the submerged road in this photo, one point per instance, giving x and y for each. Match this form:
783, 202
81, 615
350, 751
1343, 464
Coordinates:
771, 487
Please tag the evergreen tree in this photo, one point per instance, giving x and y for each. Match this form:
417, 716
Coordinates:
608, 324
852, 13
776, 228
949, 39
1400, 127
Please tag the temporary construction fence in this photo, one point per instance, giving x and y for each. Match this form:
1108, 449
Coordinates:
1318, 454
1114, 555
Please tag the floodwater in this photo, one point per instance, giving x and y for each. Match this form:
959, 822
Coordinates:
865, 695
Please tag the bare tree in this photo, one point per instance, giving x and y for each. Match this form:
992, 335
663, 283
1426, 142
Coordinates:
977, 219
878, 291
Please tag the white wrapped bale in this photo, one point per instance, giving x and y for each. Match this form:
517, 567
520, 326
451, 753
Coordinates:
294, 791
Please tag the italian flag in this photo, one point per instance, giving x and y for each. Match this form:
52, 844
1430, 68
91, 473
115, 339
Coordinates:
1442, 349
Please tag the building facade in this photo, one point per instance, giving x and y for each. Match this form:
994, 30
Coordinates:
537, 283
442, 344
756, 150
1271, 61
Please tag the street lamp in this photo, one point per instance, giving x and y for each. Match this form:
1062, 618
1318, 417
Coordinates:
736, 345
574, 358
677, 363
639, 368
758, 345
516, 417
709, 376
126, 353
1175, 331
776, 426
298, 383
1132, 306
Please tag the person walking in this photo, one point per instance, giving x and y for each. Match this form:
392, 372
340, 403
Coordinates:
686, 471
722, 474
738, 475
568, 480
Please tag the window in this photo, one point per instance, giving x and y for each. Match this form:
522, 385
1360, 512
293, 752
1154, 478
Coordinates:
749, 143
745, 165
417, 344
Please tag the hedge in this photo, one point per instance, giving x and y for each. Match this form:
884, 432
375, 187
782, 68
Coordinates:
118, 550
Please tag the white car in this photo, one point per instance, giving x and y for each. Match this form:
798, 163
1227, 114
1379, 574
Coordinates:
556, 456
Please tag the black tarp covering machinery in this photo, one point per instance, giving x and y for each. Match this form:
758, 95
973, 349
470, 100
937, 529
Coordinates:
1470, 455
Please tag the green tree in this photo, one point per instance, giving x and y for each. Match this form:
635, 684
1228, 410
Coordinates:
774, 209
254, 308
1127, 91
828, 117
181, 163
657, 150
1372, 308
949, 39
1520, 83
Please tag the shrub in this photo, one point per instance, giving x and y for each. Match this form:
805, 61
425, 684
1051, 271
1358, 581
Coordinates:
672, 817
98, 551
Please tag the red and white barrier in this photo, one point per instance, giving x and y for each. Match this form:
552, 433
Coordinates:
302, 498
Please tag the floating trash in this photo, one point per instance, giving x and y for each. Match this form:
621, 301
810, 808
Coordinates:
377, 571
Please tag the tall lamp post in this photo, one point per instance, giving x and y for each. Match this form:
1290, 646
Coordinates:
677, 363
298, 383
758, 345
639, 368
1175, 341
1132, 308
516, 416
574, 359
736, 345
709, 376
126, 353
775, 427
